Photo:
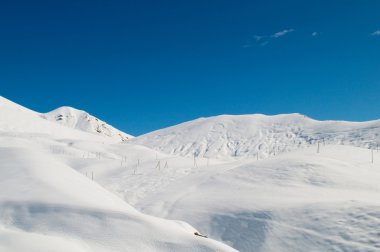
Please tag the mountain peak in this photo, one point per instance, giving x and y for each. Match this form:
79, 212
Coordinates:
81, 120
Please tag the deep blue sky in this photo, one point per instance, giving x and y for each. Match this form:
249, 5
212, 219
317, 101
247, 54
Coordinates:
143, 65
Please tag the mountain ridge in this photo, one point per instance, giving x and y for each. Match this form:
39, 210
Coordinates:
64, 121
82, 120
244, 136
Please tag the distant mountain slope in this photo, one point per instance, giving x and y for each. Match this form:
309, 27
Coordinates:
81, 120
18, 120
64, 122
240, 136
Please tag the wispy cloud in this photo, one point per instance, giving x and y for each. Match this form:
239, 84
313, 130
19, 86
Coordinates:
314, 34
376, 33
282, 33
255, 39
258, 37
263, 40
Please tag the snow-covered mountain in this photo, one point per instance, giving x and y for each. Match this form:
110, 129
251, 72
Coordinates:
64, 122
241, 136
18, 120
64, 188
52, 197
81, 120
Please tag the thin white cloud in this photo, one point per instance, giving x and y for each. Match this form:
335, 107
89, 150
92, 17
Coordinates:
263, 40
258, 37
282, 33
376, 33
314, 34
255, 38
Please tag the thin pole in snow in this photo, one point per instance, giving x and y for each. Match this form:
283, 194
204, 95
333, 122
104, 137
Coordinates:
137, 166
372, 156
318, 148
158, 165
195, 162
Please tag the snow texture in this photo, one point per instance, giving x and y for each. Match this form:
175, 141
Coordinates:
236, 137
314, 187
81, 120
46, 205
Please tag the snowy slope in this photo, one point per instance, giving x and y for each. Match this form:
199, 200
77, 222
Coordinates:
299, 201
44, 198
47, 205
81, 120
232, 136
18, 119
64, 189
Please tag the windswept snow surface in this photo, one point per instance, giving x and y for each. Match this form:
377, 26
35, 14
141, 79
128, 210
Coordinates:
241, 136
64, 189
299, 201
47, 205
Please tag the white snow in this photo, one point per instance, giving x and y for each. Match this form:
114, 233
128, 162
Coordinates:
18, 120
81, 120
235, 137
12, 240
65, 188
46, 205
300, 201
